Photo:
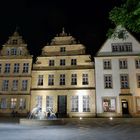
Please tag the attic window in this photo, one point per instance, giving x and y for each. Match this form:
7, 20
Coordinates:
14, 41
121, 47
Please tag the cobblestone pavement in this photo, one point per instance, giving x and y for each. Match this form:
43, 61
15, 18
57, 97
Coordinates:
74, 129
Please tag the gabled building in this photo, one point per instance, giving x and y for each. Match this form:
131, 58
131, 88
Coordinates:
117, 71
63, 79
15, 76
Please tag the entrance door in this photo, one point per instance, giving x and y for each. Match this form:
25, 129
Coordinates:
62, 106
125, 107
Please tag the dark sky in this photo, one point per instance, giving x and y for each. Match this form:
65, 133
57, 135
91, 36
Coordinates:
41, 20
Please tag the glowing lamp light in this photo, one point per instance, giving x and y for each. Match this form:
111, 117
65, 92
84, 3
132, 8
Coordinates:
80, 118
111, 118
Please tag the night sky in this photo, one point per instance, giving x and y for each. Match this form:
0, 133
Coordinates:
40, 20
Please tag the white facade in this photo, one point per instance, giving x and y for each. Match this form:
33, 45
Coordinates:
117, 77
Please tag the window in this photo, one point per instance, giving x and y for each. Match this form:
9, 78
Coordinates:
74, 103
85, 79
3, 104
62, 62
121, 47
0, 68
107, 81
62, 49
107, 64
22, 103
62, 79
24, 84
8, 52
15, 85
16, 68
74, 79
86, 103
138, 81
13, 51
40, 80
25, 67
124, 81
138, 104
49, 103
7, 68
51, 80
5, 85
123, 64
137, 63
109, 104
14, 42
13, 103
51, 62
39, 101
73, 62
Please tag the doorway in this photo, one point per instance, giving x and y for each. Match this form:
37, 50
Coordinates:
62, 106
125, 109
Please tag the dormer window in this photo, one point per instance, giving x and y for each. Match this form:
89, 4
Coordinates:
14, 41
62, 49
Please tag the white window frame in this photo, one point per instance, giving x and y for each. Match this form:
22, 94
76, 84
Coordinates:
123, 64
73, 79
107, 64
108, 82
40, 80
25, 67
85, 79
49, 103
24, 85
86, 103
5, 85
74, 103
7, 68
62, 79
16, 68
124, 81
50, 80
15, 85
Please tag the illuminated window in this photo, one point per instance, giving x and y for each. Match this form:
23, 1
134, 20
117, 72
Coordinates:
5, 85
86, 107
13, 103
124, 81
15, 85
74, 79
22, 103
24, 85
85, 79
62, 79
0, 68
40, 80
137, 63
16, 68
25, 67
39, 101
49, 103
123, 64
7, 68
107, 64
107, 81
62, 49
74, 104
62, 62
138, 104
73, 62
3, 103
109, 104
51, 80
51, 62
